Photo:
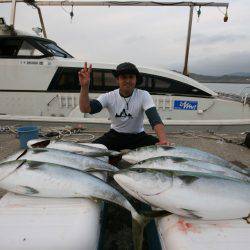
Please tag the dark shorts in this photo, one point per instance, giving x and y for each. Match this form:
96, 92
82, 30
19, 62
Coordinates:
114, 140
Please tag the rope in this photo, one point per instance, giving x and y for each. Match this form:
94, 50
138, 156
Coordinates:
68, 132
8, 129
212, 136
61, 133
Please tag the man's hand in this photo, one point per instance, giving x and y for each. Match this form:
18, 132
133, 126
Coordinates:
161, 134
84, 75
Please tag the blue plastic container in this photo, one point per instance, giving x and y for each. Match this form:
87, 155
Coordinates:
27, 133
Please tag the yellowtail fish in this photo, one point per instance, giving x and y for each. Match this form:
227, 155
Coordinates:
197, 195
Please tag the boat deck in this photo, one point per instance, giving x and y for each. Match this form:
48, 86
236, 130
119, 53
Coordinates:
118, 224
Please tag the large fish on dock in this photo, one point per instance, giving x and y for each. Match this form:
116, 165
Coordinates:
74, 147
144, 153
196, 195
62, 157
51, 180
189, 165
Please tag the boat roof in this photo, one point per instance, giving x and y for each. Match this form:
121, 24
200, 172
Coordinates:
23, 34
72, 62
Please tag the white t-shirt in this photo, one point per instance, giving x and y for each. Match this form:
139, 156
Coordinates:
127, 114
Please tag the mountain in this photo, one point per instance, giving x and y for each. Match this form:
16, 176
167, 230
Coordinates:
241, 77
245, 74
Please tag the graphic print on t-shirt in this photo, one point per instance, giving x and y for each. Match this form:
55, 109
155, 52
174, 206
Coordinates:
124, 114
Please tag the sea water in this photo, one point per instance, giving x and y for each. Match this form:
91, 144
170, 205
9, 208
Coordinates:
231, 88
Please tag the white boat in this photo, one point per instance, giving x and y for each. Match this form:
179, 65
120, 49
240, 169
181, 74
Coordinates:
39, 82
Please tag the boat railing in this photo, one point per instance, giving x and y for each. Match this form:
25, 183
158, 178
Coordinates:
243, 96
246, 99
64, 101
244, 91
163, 102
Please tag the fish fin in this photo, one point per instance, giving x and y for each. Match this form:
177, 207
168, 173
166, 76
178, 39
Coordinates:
90, 170
115, 154
191, 213
17, 163
39, 150
139, 225
81, 153
114, 159
33, 165
26, 190
137, 232
22, 162
92, 154
188, 179
156, 213
139, 221
178, 159
165, 147
22, 154
41, 144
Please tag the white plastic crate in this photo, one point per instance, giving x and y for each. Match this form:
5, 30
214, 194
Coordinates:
34, 223
178, 233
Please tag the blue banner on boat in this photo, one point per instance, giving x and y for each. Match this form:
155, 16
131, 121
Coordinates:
185, 105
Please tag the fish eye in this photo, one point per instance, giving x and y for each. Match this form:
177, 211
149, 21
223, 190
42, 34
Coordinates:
140, 170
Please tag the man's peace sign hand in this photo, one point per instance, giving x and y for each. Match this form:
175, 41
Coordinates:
84, 75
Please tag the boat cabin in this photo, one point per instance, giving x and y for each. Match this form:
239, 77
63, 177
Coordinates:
23, 48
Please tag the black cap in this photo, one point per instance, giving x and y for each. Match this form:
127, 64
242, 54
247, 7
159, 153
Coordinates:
128, 68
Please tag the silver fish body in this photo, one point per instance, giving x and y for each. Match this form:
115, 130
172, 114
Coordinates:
196, 195
62, 157
51, 180
72, 147
144, 153
188, 164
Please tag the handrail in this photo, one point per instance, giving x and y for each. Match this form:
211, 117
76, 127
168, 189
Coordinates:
243, 91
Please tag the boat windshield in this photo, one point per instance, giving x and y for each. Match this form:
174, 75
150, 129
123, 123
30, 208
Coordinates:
54, 49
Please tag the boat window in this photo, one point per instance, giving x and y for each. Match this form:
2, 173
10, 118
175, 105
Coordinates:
9, 47
28, 50
65, 80
97, 79
179, 88
155, 84
158, 85
54, 49
103, 81
144, 84
110, 80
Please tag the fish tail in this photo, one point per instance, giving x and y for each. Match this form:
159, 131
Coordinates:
138, 224
114, 153
139, 221
114, 159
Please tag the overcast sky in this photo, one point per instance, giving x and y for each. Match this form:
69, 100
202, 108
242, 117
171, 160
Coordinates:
148, 36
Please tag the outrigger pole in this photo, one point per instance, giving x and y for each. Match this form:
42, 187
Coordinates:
13, 12
191, 5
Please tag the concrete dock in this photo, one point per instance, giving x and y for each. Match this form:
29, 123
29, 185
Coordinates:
227, 146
